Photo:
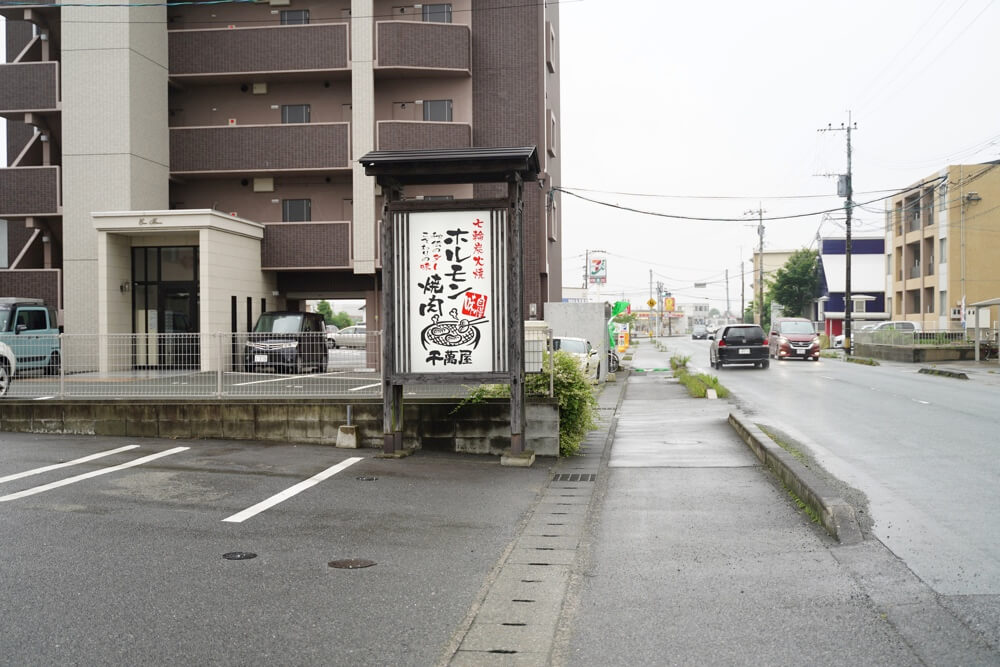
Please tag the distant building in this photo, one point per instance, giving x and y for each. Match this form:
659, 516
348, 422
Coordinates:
773, 260
941, 244
867, 283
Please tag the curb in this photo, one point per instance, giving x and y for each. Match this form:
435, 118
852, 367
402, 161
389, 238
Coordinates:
836, 515
951, 374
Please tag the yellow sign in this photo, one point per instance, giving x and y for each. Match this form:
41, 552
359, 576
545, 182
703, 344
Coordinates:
651, 303
668, 304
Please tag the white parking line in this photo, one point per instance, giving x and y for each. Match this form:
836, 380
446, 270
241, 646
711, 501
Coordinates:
88, 475
240, 517
56, 466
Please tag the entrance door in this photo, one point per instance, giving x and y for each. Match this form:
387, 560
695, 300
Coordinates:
165, 307
179, 342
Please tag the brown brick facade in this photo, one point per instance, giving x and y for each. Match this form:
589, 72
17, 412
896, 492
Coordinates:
29, 86
260, 147
29, 191
412, 44
407, 135
33, 284
271, 49
291, 245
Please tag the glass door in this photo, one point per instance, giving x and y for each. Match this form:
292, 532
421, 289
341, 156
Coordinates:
165, 307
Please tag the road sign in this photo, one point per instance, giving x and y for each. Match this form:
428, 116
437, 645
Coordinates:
651, 303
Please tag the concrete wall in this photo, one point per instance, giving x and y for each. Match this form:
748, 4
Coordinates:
115, 143
581, 320
481, 428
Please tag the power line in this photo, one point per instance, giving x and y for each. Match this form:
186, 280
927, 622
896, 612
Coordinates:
720, 219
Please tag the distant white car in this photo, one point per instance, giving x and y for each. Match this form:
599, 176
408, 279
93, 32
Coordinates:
353, 336
8, 366
581, 350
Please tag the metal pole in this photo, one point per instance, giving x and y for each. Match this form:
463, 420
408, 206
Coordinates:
847, 246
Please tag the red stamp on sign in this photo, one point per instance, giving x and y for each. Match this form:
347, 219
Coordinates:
475, 304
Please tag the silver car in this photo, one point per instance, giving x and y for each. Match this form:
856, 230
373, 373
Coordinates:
353, 336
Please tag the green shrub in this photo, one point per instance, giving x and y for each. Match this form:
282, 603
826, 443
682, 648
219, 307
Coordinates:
677, 361
577, 405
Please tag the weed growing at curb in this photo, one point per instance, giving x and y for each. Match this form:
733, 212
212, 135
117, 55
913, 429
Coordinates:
697, 385
784, 444
862, 360
809, 511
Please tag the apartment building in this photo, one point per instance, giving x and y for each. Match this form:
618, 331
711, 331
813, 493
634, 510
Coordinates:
868, 300
942, 245
203, 159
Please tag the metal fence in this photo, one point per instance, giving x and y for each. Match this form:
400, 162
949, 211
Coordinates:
959, 338
215, 365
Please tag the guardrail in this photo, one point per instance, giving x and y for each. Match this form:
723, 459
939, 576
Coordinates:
931, 337
212, 365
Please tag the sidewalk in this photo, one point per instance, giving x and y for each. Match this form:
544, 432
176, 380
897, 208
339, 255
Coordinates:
694, 554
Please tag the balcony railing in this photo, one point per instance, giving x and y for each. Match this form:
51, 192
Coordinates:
30, 191
913, 225
408, 45
291, 48
915, 271
306, 245
395, 135
29, 87
260, 148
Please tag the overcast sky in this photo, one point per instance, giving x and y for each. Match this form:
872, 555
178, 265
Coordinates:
712, 108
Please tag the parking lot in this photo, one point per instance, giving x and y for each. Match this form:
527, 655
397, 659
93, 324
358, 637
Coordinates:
114, 550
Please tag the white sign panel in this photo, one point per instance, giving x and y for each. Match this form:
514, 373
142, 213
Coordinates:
455, 305
597, 269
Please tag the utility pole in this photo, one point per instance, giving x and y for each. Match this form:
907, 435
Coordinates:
760, 261
659, 301
847, 190
729, 313
743, 282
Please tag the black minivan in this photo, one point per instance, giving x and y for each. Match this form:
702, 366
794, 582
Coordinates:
738, 344
288, 340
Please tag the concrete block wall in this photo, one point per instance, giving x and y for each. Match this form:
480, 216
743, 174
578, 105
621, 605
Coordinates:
481, 428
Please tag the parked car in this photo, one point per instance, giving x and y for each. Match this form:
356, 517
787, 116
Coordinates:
581, 350
838, 340
288, 340
8, 365
738, 344
793, 338
331, 330
29, 328
700, 331
352, 336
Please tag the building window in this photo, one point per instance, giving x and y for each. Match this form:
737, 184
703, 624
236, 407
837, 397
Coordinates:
437, 13
295, 113
296, 210
3, 244
944, 303
888, 265
943, 254
943, 196
294, 16
437, 110
859, 305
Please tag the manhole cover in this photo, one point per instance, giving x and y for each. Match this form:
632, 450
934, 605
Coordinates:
239, 555
351, 563
364, 478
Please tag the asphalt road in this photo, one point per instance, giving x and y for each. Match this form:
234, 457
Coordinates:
921, 448
127, 567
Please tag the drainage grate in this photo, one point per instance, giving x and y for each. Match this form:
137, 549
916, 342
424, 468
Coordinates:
239, 555
574, 477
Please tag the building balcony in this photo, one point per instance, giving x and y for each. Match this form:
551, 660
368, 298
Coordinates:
289, 148
28, 87
265, 52
30, 192
915, 271
402, 135
306, 245
425, 49
35, 283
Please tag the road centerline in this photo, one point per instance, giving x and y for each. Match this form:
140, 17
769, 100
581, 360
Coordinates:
291, 491
87, 475
65, 464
